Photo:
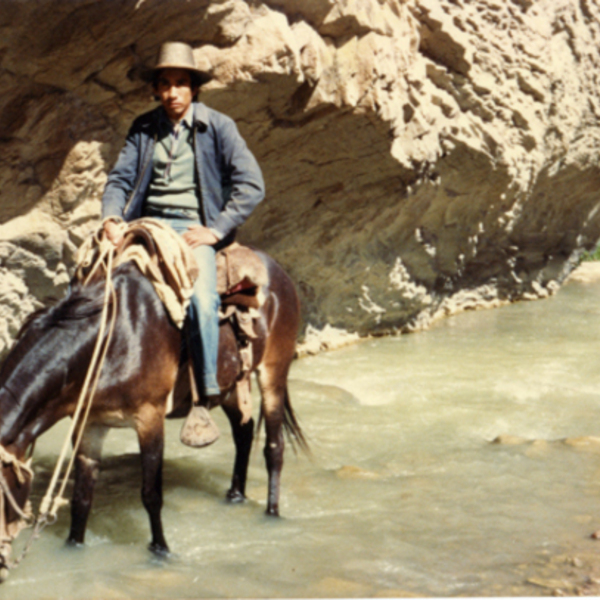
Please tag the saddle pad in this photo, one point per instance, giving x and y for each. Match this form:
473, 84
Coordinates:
239, 269
160, 254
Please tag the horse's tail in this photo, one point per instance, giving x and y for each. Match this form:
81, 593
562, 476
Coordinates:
291, 426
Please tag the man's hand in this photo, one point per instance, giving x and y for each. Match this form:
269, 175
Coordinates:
198, 235
114, 232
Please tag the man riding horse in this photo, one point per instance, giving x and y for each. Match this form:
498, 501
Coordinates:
187, 165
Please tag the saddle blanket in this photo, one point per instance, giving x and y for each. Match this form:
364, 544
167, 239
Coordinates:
168, 262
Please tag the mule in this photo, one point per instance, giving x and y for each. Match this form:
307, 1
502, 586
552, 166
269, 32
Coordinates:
41, 378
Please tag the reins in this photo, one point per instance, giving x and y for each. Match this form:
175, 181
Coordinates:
52, 502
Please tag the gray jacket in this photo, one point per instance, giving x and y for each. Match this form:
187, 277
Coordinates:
229, 178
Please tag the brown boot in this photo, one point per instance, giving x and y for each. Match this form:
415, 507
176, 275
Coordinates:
199, 429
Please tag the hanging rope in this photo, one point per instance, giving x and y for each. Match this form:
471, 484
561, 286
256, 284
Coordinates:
50, 503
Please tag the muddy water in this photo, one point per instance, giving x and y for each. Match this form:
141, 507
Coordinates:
405, 494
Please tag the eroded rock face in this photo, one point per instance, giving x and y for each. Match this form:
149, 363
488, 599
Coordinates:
420, 156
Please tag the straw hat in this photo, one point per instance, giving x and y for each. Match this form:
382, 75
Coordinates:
177, 55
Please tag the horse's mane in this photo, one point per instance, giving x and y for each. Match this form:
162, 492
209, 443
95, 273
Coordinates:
80, 303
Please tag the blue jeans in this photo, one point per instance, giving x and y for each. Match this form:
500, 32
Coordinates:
202, 311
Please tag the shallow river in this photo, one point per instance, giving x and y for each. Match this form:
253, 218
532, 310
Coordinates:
405, 493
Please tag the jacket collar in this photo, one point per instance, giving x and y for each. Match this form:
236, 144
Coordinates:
188, 118
200, 113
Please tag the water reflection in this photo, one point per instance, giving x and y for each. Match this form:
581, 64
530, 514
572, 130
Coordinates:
406, 493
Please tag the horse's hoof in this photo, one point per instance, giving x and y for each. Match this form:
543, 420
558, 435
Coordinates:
159, 550
596, 535
4, 572
272, 512
235, 497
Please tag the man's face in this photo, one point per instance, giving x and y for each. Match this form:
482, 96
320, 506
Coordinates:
174, 88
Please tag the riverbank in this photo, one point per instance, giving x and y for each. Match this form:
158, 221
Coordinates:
586, 272
331, 338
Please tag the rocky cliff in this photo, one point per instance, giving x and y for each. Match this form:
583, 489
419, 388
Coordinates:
421, 156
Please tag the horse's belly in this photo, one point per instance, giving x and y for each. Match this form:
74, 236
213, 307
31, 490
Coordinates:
114, 418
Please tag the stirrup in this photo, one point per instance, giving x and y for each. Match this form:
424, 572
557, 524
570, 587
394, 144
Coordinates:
199, 429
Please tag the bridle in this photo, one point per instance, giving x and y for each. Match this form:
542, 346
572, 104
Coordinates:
22, 472
25, 518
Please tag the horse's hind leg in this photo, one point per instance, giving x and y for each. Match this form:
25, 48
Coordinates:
87, 465
150, 430
273, 389
243, 435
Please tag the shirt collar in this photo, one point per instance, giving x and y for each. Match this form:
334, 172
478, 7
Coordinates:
188, 118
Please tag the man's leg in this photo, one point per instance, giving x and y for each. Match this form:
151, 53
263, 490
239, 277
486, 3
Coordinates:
199, 429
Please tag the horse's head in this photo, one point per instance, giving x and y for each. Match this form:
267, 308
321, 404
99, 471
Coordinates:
15, 509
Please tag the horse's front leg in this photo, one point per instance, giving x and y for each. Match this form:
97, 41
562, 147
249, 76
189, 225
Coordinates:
87, 465
150, 430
